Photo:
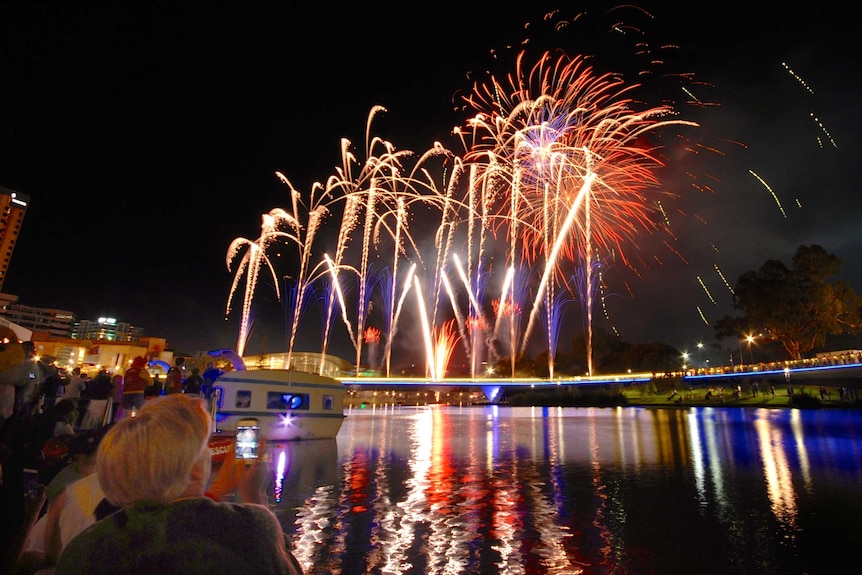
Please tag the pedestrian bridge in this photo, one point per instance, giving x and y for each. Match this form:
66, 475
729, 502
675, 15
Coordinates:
848, 375
827, 375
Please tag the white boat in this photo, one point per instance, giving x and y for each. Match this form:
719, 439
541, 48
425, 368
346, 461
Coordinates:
289, 405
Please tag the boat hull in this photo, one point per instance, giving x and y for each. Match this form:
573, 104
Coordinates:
290, 405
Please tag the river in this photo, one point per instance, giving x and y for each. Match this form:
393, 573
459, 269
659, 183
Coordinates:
486, 490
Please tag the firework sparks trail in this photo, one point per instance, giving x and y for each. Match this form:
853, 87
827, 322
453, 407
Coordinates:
426, 331
326, 309
407, 283
823, 128
316, 209
560, 169
768, 189
381, 189
706, 290
255, 257
586, 285
475, 316
554, 323
445, 343
474, 303
573, 211
459, 316
400, 218
555, 127
798, 78
724, 279
337, 289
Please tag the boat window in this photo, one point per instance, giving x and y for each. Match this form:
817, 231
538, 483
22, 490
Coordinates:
328, 403
243, 398
280, 400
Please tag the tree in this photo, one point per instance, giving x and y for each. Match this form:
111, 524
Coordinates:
798, 307
613, 355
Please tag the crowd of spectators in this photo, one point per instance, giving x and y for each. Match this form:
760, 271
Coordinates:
78, 474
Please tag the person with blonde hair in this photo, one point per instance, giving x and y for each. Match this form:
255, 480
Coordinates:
156, 468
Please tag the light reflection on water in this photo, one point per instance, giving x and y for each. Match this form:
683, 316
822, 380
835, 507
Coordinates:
454, 490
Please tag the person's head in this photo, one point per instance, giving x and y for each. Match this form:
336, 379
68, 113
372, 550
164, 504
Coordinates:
157, 456
139, 362
196, 370
66, 409
82, 451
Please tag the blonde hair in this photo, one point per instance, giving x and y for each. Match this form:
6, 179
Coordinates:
149, 458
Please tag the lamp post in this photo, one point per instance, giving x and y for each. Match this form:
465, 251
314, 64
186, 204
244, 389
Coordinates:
750, 340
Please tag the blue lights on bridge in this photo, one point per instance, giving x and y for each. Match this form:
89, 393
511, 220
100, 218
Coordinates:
852, 370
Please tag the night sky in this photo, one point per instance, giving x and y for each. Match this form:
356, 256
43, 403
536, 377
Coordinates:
148, 134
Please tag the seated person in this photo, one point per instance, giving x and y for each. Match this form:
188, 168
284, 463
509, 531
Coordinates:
155, 467
81, 460
64, 414
73, 497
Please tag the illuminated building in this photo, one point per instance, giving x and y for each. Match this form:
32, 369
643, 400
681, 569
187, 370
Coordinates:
107, 329
12, 208
55, 322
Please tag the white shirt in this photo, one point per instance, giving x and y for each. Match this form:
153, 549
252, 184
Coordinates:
74, 387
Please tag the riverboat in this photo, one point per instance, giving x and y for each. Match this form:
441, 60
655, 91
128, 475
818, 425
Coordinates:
289, 405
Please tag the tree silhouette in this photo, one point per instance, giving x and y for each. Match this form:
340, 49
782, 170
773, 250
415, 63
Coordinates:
797, 306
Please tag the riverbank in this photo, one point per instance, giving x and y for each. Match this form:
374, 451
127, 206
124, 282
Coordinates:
781, 399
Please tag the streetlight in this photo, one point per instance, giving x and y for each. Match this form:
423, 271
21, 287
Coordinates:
750, 339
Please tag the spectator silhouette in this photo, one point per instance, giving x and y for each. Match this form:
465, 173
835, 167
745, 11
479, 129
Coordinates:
175, 376
75, 502
210, 375
64, 414
118, 385
75, 384
193, 383
83, 399
135, 381
99, 390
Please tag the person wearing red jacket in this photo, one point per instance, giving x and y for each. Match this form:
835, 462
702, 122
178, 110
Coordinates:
135, 381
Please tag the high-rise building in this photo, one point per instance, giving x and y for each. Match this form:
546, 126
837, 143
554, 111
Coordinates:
106, 329
55, 322
12, 208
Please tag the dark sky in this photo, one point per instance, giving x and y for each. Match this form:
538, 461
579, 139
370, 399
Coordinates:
147, 135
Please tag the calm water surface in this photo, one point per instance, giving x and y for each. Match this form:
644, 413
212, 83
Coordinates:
576, 490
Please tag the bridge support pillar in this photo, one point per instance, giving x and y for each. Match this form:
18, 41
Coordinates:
492, 392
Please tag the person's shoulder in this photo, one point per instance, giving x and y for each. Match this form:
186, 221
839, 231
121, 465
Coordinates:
225, 513
85, 552
66, 476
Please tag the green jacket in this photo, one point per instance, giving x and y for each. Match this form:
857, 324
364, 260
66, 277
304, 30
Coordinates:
189, 536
